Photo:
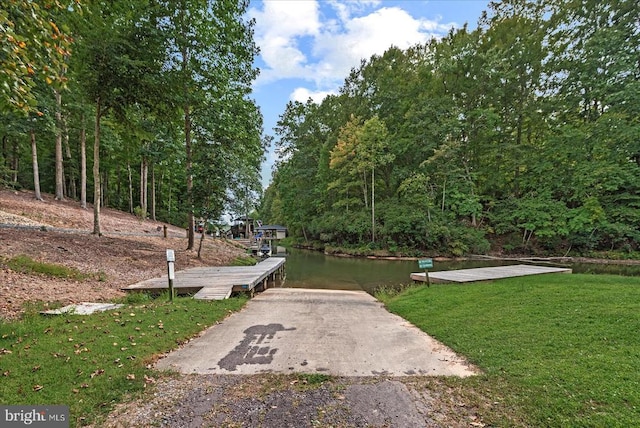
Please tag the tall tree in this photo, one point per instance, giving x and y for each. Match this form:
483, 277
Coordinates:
121, 58
211, 55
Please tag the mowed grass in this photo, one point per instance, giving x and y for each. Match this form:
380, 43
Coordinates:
555, 350
92, 362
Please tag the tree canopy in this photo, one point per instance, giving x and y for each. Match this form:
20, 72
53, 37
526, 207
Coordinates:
522, 133
162, 88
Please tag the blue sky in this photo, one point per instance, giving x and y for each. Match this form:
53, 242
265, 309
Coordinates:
308, 47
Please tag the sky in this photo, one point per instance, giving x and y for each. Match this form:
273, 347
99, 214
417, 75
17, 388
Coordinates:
308, 47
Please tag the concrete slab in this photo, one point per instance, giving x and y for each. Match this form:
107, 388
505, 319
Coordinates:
487, 273
342, 333
83, 308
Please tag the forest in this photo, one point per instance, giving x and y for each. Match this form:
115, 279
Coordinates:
521, 136
152, 95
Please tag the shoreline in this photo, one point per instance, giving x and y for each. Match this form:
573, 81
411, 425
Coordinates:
478, 257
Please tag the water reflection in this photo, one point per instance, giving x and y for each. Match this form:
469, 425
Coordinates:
312, 269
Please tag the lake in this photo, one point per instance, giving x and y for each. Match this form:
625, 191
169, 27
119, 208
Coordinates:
313, 269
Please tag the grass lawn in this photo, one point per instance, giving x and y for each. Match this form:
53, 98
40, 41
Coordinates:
555, 350
92, 362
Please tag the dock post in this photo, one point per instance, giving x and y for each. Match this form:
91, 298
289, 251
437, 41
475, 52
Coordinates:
171, 258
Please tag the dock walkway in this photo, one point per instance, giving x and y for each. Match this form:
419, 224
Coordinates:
486, 273
217, 283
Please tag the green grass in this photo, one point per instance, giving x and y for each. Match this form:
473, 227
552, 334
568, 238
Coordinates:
25, 264
92, 362
244, 261
555, 350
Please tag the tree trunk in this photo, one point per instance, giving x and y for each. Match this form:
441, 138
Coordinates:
130, 188
189, 162
373, 206
200, 245
83, 166
72, 189
5, 154
15, 162
144, 177
34, 161
59, 164
364, 189
153, 193
96, 173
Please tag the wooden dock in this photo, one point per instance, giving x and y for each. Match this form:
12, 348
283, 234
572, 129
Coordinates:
217, 283
486, 273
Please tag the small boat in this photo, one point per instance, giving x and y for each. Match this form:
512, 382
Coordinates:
265, 251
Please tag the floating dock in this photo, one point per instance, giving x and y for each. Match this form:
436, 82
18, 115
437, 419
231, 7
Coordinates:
217, 283
486, 273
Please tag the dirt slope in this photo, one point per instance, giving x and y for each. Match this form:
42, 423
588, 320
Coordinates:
129, 251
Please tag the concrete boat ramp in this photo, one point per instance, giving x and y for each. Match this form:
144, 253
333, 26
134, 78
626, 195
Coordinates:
486, 273
217, 283
332, 332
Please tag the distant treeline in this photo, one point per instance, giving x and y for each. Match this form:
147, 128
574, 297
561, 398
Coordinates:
523, 133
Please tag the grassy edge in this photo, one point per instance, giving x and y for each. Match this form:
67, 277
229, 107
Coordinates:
555, 350
93, 362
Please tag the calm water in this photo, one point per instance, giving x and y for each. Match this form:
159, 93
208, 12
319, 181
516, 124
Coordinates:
312, 269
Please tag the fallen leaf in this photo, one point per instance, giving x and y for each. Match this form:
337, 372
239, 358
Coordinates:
131, 376
97, 373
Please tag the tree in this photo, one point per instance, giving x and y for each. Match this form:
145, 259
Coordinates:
211, 52
359, 151
120, 59
33, 45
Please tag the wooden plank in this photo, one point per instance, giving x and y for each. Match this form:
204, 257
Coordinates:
487, 273
215, 282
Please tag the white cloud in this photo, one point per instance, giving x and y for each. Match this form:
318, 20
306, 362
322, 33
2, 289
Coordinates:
362, 37
345, 9
279, 27
287, 18
299, 40
303, 94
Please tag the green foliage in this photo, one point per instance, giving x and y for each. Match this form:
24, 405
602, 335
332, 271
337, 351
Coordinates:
34, 46
244, 261
93, 362
127, 95
140, 213
522, 129
556, 350
307, 381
